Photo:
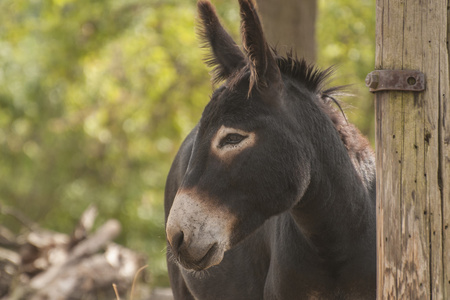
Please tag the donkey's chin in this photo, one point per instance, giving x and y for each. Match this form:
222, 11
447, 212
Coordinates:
213, 257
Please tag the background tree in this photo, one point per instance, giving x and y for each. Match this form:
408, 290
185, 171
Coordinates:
96, 97
291, 24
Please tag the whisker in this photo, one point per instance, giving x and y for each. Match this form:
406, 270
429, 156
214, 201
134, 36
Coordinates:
338, 105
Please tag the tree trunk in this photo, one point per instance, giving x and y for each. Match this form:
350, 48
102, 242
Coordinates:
413, 153
290, 24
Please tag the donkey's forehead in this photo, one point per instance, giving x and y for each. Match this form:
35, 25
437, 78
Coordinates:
229, 97
229, 105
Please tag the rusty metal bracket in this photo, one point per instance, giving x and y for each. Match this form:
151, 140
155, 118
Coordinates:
395, 80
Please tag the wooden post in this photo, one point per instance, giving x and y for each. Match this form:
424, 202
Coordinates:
413, 153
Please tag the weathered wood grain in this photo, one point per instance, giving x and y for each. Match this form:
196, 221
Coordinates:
444, 141
413, 165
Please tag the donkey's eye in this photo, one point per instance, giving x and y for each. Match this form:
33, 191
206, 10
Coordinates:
232, 139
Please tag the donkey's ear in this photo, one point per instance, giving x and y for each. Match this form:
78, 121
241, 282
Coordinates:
263, 67
226, 57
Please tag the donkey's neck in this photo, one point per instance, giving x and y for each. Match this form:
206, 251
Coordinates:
336, 212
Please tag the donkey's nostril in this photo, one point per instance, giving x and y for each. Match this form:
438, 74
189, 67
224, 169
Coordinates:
177, 240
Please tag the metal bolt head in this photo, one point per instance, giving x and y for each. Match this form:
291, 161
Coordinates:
372, 80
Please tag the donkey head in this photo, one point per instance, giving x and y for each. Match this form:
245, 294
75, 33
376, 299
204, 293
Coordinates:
244, 167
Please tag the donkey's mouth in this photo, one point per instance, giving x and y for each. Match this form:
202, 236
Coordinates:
212, 257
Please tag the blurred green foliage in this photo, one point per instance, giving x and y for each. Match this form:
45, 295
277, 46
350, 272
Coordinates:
96, 97
346, 39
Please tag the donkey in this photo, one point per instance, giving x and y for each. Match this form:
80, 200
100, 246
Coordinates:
272, 194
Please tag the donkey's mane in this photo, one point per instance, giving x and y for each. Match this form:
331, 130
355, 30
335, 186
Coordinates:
309, 74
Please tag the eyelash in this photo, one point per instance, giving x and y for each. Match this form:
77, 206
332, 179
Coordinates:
232, 139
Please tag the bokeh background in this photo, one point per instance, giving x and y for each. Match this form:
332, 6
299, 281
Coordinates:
96, 96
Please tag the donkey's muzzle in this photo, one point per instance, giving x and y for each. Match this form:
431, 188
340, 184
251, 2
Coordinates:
192, 255
198, 232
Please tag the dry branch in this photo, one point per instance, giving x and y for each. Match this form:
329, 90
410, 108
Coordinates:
42, 264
